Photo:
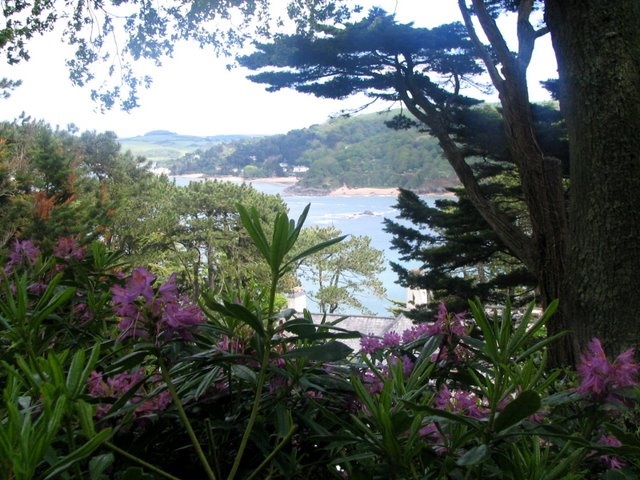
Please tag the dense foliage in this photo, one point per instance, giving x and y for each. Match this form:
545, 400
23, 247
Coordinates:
111, 372
430, 69
459, 255
357, 151
342, 273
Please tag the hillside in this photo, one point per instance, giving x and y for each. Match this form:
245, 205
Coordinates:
161, 146
358, 151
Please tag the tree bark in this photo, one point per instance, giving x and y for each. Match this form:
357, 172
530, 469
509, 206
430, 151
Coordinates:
597, 45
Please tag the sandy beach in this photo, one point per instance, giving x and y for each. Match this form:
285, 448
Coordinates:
230, 178
338, 192
363, 192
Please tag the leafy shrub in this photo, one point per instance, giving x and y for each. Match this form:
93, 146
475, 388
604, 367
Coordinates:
108, 374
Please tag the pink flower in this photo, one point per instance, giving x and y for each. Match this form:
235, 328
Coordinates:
600, 377
120, 384
405, 361
391, 339
459, 401
370, 344
144, 312
23, 253
611, 461
435, 436
67, 248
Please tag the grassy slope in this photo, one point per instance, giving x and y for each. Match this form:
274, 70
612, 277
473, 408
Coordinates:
161, 146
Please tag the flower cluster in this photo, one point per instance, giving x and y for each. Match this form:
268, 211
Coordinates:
445, 324
148, 312
24, 253
460, 401
118, 385
68, 249
611, 461
600, 378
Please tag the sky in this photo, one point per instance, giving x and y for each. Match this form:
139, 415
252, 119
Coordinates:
193, 93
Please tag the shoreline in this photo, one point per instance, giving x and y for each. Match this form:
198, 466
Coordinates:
291, 181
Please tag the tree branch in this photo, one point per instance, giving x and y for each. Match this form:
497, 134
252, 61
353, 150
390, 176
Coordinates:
428, 113
483, 52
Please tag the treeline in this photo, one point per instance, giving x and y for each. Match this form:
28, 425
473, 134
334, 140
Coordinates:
66, 184
356, 151
82, 190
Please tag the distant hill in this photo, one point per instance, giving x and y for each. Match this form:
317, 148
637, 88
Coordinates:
359, 151
162, 146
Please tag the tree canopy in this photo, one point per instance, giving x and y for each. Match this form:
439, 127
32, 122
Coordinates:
110, 38
577, 243
342, 273
426, 68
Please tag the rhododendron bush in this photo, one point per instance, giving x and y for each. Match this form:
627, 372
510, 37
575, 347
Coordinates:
110, 372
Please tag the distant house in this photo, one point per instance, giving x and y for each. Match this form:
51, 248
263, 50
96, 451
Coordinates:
366, 325
300, 169
159, 170
363, 324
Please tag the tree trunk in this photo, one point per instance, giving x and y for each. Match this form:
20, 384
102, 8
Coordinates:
597, 44
540, 176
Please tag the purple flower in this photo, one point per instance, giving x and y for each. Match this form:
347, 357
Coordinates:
391, 339
227, 344
140, 283
407, 364
177, 319
435, 436
445, 324
418, 331
611, 461
23, 253
120, 384
370, 344
154, 404
600, 377
372, 382
144, 312
459, 401
97, 387
67, 249
82, 312
37, 288
625, 370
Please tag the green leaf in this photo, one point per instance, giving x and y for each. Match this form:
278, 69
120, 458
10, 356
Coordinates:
136, 473
244, 373
239, 312
527, 403
284, 421
627, 439
620, 474
468, 421
78, 454
327, 352
302, 327
490, 347
247, 316
474, 456
316, 248
251, 222
98, 464
75, 381
128, 361
84, 411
